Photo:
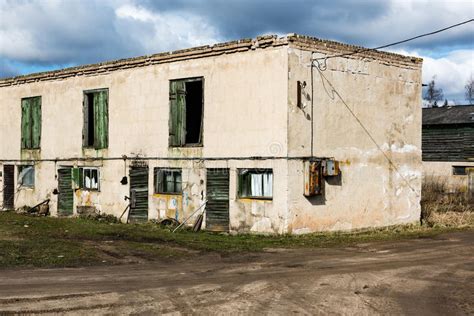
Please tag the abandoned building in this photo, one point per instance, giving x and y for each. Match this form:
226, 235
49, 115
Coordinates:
448, 147
275, 134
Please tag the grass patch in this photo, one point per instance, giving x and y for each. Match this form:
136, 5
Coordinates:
442, 206
53, 242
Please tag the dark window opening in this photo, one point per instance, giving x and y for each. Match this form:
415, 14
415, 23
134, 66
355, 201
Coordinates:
459, 170
96, 119
90, 120
186, 112
193, 112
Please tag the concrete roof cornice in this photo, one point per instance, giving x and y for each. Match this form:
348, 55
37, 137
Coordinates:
242, 45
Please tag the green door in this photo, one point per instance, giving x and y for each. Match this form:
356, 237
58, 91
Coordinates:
66, 193
217, 207
138, 194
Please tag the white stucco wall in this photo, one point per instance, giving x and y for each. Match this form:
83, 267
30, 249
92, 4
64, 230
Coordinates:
249, 111
244, 116
377, 120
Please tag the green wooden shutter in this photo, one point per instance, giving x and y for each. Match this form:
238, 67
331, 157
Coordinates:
78, 178
177, 113
35, 106
101, 119
26, 123
85, 115
158, 180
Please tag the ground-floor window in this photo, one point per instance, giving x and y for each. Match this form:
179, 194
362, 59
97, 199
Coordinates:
26, 176
459, 170
256, 183
168, 181
87, 178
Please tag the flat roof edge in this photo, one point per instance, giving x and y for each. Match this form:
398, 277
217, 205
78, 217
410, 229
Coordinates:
260, 42
337, 48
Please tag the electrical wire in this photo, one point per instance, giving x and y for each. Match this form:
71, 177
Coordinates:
391, 44
323, 66
332, 95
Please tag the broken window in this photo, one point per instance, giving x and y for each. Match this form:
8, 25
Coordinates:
168, 181
96, 119
186, 112
26, 176
30, 123
87, 178
256, 183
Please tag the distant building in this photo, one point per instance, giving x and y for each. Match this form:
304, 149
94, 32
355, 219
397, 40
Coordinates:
448, 146
248, 126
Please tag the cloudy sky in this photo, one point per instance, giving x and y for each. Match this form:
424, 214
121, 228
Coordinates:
38, 35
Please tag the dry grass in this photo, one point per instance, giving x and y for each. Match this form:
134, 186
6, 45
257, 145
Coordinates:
443, 207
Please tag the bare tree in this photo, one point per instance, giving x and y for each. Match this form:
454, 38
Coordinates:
469, 90
433, 94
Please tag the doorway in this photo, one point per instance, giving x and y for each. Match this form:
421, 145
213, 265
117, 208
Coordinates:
66, 193
217, 207
8, 187
138, 194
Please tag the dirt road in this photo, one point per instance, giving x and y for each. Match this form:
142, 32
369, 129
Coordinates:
422, 277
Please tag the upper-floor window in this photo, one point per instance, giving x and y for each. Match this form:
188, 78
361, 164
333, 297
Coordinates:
186, 112
30, 123
95, 133
256, 183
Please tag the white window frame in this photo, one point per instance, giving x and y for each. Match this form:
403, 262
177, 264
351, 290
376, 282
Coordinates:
264, 189
90, 169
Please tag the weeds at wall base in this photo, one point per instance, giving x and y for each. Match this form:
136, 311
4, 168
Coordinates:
442, 207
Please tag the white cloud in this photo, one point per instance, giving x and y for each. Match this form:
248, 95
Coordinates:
407, 18
451, 71
167, 31
54, 33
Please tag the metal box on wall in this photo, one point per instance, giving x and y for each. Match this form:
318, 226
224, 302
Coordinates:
312, 178
331, 168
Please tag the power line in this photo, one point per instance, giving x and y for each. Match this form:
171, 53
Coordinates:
396, 43
332, 94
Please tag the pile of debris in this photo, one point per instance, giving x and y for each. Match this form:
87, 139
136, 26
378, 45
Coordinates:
41, 209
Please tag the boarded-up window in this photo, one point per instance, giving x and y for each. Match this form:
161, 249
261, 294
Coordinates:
168, 181
256, 183
96, 119
31, 123
26, 176
186, 112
